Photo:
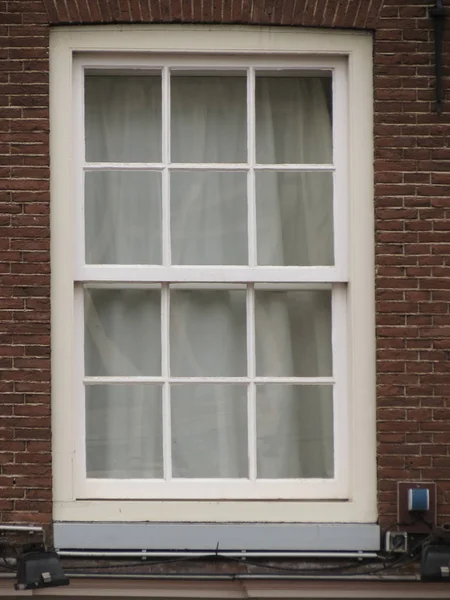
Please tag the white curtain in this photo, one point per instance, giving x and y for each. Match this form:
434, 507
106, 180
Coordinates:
294, 223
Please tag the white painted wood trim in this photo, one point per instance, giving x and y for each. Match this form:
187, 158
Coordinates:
214, 511
213, 274
165, 200
78, 409
90, 380
112, 166
251, 151
214, 39
341, 171
251, 390
165, 371
212, 489
341, 413
293, 47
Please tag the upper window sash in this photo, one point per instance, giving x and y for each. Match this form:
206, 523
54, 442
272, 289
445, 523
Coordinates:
89, 63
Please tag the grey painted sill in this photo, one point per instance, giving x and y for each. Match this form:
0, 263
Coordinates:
221, 537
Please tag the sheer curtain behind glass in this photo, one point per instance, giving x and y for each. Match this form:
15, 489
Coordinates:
294, 219
123, 226
294, 224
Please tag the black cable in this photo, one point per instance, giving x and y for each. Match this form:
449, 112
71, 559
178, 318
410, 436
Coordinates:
405, 560
145, 561
430, 528
245, 561
388, 565
358, 564
5, 545
389, 527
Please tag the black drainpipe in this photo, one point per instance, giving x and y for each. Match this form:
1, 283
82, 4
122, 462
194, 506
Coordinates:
438, 14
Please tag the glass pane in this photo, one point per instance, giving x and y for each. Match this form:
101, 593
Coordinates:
123, 217
293, 333
293, 120
294, 428
208, 119
208, 333
294, 218
209, 218
123, 118
209, 430
124, 431
122, 332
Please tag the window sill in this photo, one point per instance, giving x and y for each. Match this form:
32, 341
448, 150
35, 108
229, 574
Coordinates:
207, 537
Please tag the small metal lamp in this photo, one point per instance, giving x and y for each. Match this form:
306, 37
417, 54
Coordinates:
39, 569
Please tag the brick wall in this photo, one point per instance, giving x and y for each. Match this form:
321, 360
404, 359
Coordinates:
25, 459
412, 161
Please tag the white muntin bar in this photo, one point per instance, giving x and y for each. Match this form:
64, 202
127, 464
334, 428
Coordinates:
251, 391
166, 238
165, 293
165, 371
209, 166
100, 380
251, 201
252, 256
114, 166
293, 167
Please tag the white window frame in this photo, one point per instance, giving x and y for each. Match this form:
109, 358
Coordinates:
350, 496
210, 277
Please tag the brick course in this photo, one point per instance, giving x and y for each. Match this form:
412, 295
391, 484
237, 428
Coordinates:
412, 206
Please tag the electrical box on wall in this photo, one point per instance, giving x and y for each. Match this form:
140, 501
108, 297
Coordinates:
416, 509
396, 541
